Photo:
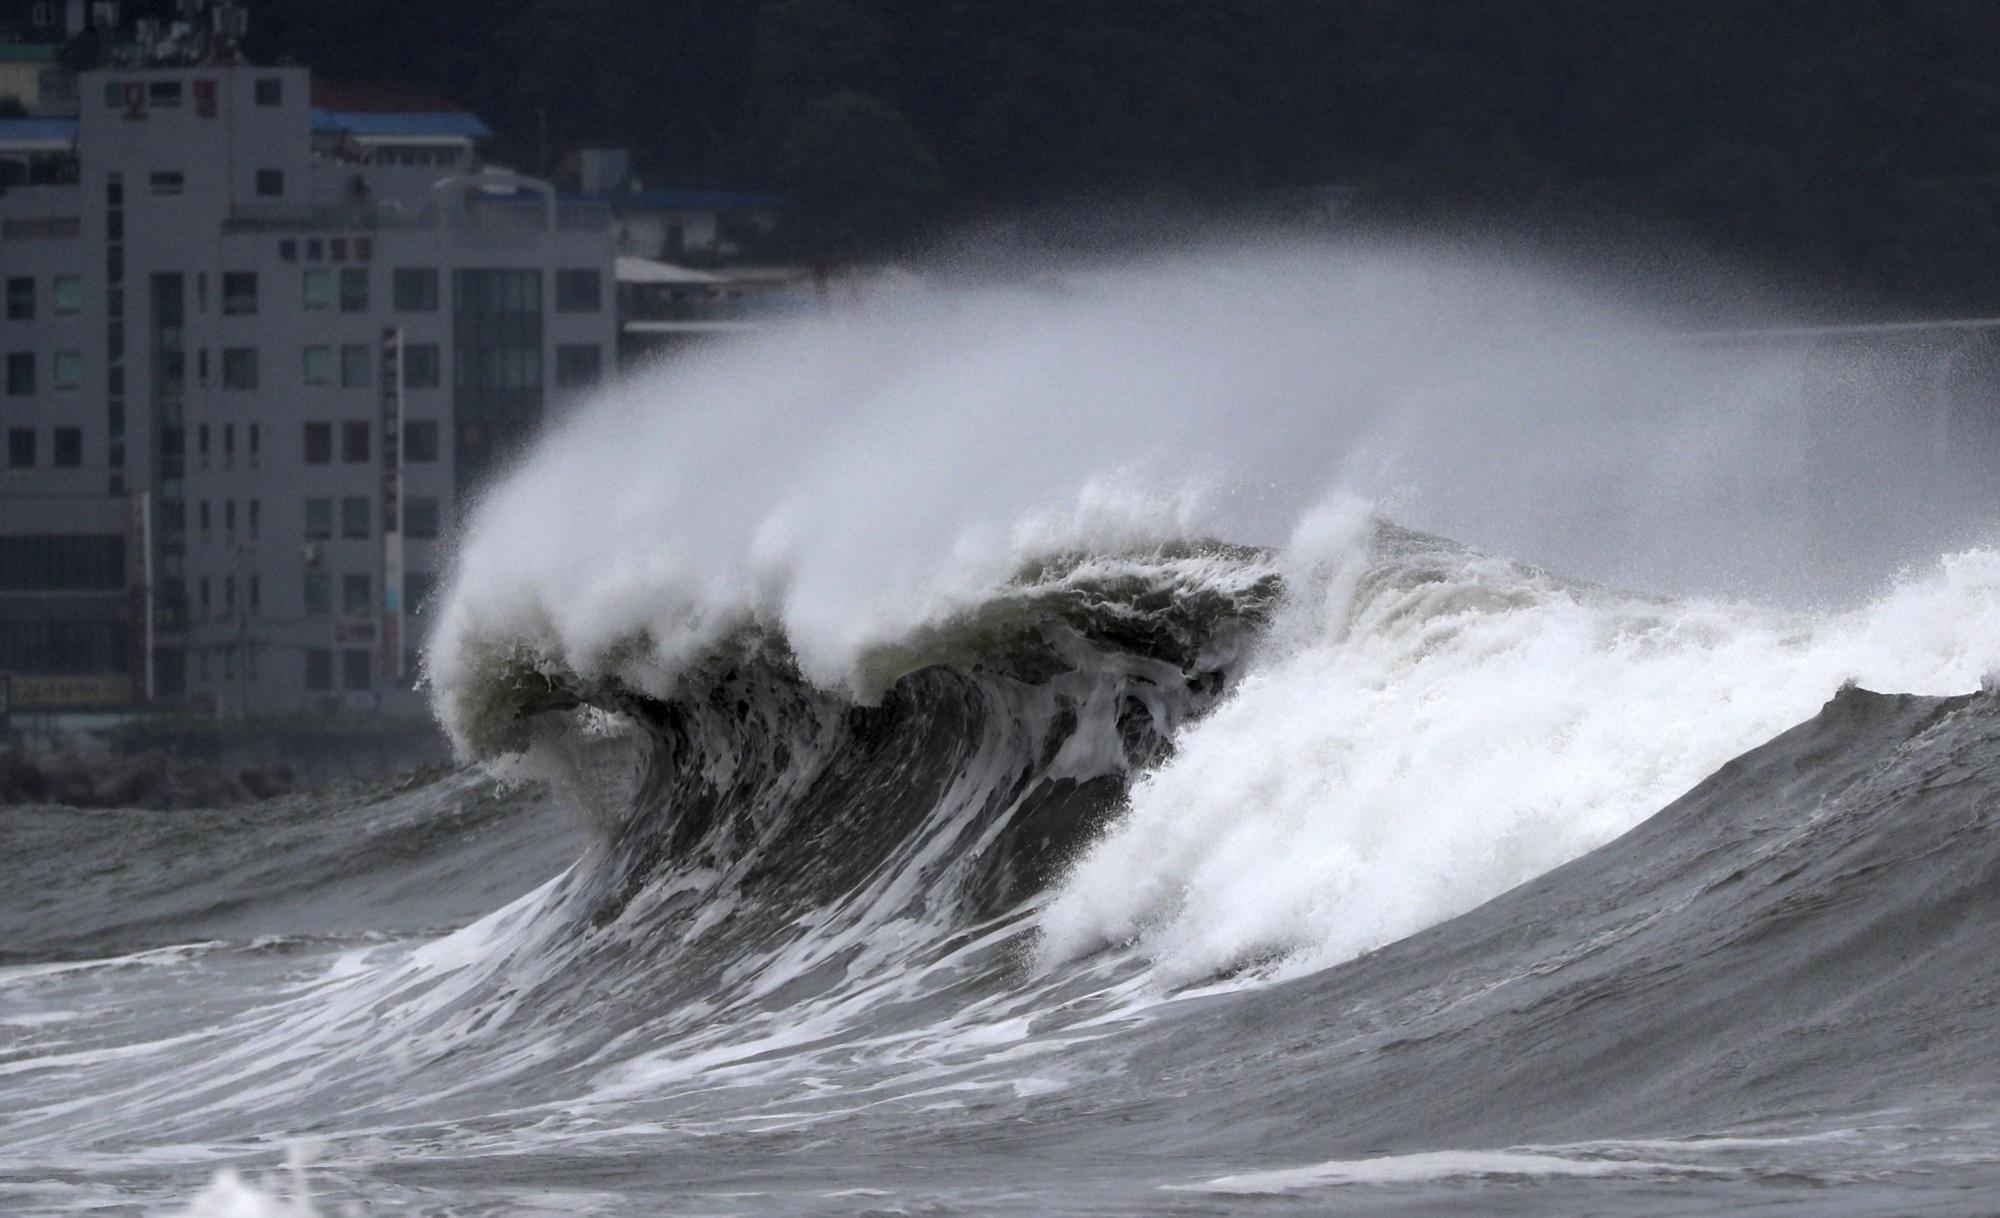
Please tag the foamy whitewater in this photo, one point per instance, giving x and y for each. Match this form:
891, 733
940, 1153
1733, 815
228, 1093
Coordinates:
1395, 730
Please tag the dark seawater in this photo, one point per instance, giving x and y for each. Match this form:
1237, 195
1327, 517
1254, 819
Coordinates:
751, 946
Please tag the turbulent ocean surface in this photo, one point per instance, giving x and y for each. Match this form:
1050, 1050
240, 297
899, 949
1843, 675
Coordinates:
1289, 731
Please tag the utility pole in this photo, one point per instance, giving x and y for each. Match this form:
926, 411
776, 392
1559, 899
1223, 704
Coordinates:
392, 515
244, 565
147, 610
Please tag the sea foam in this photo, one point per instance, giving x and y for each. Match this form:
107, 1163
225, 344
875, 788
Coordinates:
1409, 748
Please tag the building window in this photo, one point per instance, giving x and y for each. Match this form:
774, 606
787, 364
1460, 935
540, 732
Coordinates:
319, 592
354, 442
270, 90
229, 515
417, 589
319, 519
319, 669
271, 183
256, 447
319, 289
496, 367
319, 444
255, 515
354, 517
420, 442
239, 367
239, 292
66, 371
201, 515
354, 290
20, 373
20, 298
578, 292
354, 669
68, 447
416, 289
319, 365
578, 365
420, 517
167, 182
356, 594
61, 563
20, 448
66, 294
354, 366
420, 366
163, 94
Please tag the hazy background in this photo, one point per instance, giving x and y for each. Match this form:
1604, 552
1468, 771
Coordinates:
1848, 150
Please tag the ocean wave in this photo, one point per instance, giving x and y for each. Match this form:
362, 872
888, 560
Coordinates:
1082, 728
1439, 727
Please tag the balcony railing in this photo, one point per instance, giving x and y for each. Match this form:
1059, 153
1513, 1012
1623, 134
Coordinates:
504, 218
327, 217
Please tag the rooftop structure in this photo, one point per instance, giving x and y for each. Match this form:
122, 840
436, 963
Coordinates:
33, 75
677, 224
121, 33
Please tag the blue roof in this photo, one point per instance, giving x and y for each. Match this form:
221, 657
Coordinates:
37, 129
435, 123
682, 200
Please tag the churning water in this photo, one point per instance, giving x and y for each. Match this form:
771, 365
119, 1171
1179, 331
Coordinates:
1288, 728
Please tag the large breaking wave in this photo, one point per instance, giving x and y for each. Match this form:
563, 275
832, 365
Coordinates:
1010, 500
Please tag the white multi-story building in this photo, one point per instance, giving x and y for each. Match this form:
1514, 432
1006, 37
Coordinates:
257, 358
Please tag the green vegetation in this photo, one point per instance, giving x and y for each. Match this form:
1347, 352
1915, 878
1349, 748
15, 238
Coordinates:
1856, 142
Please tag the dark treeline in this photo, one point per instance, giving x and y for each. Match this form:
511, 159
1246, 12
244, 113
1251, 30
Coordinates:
1853, 142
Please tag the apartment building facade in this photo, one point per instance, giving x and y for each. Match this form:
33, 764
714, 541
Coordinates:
259, 360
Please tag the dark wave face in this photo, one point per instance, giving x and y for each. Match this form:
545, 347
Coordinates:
885, 794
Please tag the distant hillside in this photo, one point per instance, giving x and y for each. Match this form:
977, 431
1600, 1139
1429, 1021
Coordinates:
1852, 141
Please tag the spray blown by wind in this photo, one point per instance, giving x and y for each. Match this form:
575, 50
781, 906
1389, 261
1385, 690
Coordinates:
1421, 726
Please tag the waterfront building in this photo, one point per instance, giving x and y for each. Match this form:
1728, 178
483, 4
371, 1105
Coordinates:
259, 359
